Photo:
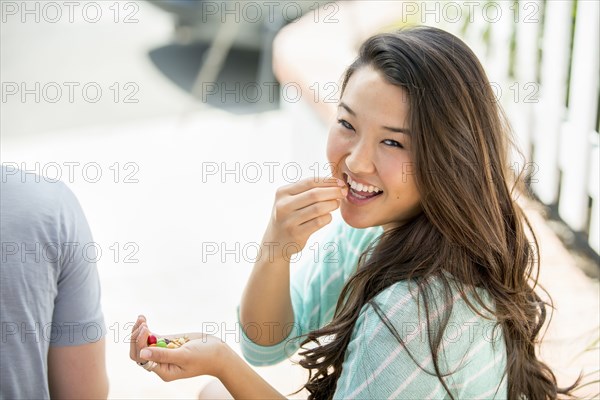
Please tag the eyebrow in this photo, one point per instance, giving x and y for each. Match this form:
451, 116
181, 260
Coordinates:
389, 128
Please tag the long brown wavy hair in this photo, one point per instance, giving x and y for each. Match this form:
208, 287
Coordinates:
470, 225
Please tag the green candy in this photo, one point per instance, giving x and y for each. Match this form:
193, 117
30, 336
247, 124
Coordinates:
161, 343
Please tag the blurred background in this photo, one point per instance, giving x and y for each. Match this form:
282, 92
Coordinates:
175, 121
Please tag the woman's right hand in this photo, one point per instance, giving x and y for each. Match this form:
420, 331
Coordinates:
301, 209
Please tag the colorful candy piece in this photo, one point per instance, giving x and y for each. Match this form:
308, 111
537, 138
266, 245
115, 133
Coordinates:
168, 343
151, 340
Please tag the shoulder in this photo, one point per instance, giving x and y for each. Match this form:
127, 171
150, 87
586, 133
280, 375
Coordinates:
409, 313
35, 209
441, 294
44, 214
25, 194
390, 351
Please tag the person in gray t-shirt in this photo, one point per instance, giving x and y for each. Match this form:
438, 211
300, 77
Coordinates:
51, 319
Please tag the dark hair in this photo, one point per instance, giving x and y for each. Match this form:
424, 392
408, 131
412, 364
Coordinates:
461, 137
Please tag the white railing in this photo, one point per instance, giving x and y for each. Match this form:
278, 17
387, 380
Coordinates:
560, 140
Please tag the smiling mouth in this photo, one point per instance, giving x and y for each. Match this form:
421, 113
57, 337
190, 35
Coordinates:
360, 191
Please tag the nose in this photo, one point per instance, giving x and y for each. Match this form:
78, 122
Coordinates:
360, 159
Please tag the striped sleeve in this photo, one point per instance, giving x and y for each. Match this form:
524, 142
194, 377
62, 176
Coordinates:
377, 366
314, 288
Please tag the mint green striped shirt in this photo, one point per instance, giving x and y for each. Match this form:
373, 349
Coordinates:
376, 365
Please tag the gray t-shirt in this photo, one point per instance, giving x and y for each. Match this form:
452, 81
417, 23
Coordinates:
49, 286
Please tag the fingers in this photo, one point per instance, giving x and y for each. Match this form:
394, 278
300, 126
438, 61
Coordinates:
307, 198
139, 338
139, 321
309, 183
315, 224
167, 361
316, 210
160, 355
304, 201
322, 198
136, 327
135, 331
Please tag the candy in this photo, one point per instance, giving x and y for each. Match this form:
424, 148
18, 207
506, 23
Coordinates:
168, 343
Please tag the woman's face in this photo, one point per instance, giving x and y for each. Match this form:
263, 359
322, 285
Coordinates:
369, 148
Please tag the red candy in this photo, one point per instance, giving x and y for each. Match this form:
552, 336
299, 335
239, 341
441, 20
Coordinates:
151, 340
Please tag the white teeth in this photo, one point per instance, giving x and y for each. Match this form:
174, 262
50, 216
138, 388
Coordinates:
362, 188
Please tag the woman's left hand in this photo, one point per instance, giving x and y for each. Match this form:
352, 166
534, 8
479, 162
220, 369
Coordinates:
202, 355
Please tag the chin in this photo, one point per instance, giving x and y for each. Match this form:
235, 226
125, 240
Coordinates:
357, 221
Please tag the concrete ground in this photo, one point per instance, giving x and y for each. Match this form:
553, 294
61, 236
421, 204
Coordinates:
185, 188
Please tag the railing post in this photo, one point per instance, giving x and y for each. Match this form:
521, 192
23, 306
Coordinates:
583, 105
551, 111
528, 23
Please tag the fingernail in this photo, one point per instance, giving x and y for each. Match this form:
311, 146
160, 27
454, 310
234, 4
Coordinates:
341, 182
345, 191
145, 354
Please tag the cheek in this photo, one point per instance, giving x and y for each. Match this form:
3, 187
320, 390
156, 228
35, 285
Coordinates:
335, 148
410, 193
400, 176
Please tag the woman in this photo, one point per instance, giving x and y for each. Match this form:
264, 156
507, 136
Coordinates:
440, 303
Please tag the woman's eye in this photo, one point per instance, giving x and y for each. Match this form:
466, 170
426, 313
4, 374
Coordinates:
345, 124
393, 143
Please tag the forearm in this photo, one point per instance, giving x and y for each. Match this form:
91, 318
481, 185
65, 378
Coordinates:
242, 381
266, 300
